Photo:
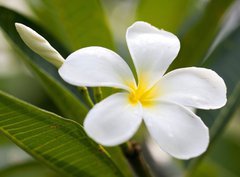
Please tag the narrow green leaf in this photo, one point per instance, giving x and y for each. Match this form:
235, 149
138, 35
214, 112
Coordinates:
66, 97
196, 42
226, 114
211, 168
225, 61
59, 143
77, 24
226, 151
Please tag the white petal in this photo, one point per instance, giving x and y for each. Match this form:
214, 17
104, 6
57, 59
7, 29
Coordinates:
113, 120
152, 50
195, 87
96, 66
177, 130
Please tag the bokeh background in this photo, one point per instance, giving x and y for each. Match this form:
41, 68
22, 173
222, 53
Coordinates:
209, 31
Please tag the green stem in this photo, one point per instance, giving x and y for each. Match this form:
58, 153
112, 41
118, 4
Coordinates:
132, 152
97, 93
87, 99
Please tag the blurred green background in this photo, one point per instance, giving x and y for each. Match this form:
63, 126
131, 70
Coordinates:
209, 31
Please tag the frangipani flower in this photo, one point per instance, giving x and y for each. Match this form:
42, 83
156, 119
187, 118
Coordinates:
159, 100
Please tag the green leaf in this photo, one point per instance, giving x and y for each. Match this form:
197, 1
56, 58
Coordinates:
196, 42
225, 61
3, 140
66, 97
211, 168
217, 129
59, 143
18, 86
77, 24
223, 160
28, 169
168, 15
227, 152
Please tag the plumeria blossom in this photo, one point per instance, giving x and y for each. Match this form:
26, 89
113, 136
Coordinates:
161, 100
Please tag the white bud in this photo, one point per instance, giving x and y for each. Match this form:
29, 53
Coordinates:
39, 45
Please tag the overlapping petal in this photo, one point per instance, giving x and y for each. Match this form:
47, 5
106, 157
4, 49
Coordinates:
96, 66
114, 120
152, 50
176, 129
194, 87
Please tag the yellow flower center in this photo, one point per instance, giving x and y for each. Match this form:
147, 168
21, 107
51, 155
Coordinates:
142, 94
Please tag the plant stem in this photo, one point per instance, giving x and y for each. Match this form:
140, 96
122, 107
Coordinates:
132, 152
97, 93
87, 99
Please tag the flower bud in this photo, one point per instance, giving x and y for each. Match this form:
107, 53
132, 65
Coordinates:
39, 45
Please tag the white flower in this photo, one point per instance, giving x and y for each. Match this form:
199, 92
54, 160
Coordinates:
161, 101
